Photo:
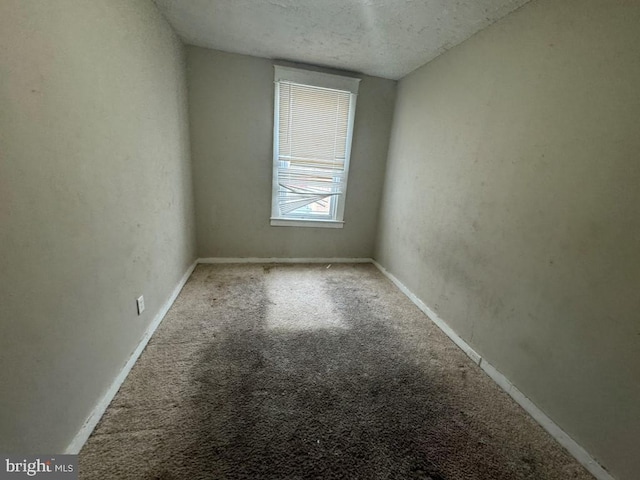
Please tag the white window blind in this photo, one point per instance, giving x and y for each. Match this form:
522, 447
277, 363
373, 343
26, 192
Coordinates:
312, 139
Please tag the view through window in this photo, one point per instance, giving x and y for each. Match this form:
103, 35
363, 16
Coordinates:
313, 126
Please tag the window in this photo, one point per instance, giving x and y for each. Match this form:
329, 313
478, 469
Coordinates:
313, 125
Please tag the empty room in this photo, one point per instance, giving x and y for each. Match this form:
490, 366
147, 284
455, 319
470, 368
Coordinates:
320, 239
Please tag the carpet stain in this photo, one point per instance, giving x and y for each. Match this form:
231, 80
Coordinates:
226, 391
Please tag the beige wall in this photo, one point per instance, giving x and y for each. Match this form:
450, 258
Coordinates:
231, 117
95, 203
511, 209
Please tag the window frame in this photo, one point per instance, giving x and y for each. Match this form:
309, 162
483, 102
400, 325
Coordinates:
318, 80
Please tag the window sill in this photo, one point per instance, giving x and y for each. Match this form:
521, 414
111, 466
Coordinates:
288, 222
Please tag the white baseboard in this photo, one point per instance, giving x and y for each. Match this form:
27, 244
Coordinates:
96, 414
579, 453
464, 346
282, 260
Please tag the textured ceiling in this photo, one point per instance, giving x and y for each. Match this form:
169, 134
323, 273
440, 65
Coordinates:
385, 38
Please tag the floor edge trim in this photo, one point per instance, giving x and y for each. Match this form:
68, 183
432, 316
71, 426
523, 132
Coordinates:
217, 260
101, 406
573, 447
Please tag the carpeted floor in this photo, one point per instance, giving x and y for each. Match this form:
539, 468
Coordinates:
305, 372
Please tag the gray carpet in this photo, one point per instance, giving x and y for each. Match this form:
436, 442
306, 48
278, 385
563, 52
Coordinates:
303, 372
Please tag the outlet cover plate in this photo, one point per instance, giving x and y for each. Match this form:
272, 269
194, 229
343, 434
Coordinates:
140, 303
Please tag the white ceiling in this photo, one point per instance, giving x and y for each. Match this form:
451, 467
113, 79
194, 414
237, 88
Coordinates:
384, 38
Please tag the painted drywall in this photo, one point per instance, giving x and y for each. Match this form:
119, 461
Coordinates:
231, 125
510, 208
96, 203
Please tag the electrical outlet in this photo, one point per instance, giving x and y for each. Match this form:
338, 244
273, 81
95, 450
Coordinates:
140, 303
